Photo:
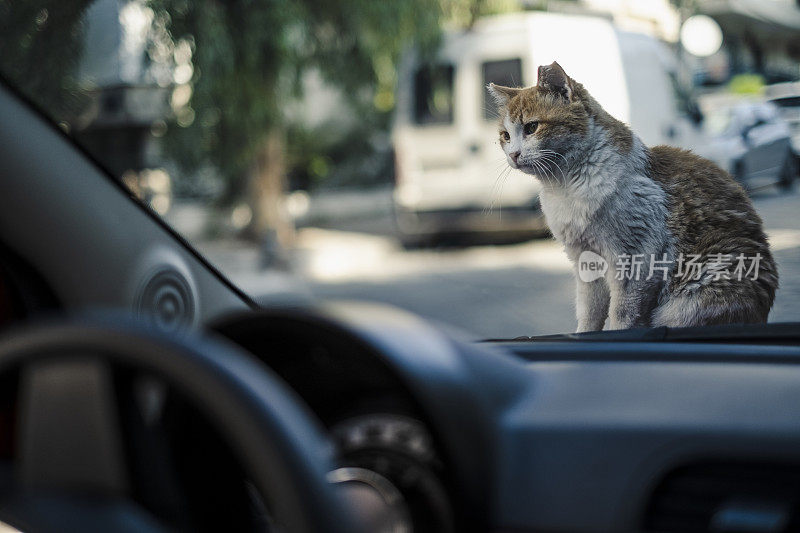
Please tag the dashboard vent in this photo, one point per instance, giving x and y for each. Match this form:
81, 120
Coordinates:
167, 300
727, 496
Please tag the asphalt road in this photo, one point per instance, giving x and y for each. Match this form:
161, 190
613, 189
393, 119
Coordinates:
490, 291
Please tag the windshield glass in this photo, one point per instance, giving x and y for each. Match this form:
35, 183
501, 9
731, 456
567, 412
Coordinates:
349, 149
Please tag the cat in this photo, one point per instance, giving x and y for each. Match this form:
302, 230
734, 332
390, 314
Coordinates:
618, 206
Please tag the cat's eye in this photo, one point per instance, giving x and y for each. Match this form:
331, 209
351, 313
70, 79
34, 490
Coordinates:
505, 136
530, 127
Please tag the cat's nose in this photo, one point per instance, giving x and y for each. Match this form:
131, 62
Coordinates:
514, 156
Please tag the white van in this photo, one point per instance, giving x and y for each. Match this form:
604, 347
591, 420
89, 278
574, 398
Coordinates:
445, 132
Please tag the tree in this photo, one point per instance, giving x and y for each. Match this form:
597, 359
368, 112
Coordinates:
248, 60
41, 48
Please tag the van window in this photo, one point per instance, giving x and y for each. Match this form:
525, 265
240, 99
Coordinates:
507, 72
433, 94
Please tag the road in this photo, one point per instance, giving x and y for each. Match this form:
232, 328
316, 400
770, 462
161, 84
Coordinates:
490, 291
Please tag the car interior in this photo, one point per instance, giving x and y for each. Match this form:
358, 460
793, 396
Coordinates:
142, 391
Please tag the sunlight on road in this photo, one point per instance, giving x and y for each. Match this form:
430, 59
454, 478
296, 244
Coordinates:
336, 256
783, 239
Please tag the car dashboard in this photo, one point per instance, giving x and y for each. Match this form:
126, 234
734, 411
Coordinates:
550, 436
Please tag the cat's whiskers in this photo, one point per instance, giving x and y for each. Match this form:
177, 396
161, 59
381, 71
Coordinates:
502, 185
540, 165
547, 159
548, 156
540, 169
553, 152
497, 189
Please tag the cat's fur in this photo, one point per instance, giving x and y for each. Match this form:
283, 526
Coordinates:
607, 192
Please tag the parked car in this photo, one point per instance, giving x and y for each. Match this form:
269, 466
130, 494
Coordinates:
786, 96
753, 142
445, 132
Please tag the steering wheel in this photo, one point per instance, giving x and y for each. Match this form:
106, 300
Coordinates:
120, 428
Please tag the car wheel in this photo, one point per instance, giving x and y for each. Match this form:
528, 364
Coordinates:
739, 175
788, 172
412, 242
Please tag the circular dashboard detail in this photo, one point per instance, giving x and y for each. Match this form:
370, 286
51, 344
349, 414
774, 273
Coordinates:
166, 300
398, 450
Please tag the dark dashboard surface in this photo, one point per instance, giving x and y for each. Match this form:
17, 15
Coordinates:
548, 435
649, 351
773, 333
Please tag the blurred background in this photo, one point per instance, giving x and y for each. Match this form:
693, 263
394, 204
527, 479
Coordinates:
316, 149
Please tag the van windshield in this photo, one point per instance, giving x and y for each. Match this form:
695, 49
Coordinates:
433, 94
507, 72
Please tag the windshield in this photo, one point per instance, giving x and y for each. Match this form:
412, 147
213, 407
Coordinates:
349, 149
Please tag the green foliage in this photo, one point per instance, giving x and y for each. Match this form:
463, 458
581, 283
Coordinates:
40, 49
747, 84
356, 44
239, 68
333, 161
249, 58
239, 55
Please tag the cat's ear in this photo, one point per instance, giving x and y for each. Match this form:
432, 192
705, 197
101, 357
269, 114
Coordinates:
553, 78
502, 94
